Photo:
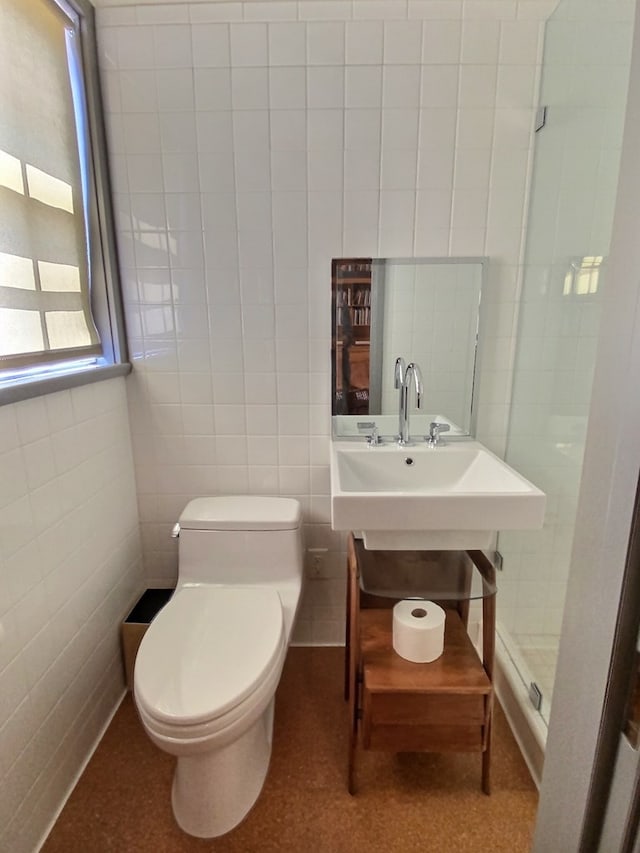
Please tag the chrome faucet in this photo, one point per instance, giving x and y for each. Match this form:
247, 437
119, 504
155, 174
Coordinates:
434, 439
374, 440
399, 370
412, 372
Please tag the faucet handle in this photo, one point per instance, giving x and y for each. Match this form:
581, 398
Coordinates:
374, 439
434, 439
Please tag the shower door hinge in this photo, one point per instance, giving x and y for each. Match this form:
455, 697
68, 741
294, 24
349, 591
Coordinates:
541, 118
535, 695
498, 560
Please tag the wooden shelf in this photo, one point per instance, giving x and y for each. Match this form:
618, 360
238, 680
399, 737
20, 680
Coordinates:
350, 279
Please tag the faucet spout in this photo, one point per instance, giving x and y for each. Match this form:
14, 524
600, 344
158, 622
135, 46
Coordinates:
399, 370
411, 373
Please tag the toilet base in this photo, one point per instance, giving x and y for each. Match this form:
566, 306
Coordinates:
213, 791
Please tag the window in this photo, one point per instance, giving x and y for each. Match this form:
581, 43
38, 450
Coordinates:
59, 301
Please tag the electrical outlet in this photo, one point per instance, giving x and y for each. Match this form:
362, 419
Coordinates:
316, 562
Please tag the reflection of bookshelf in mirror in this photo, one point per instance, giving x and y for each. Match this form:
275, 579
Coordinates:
351, 334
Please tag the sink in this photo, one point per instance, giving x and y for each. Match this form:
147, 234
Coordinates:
415, 497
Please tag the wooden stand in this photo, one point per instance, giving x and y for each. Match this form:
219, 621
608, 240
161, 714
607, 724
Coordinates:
399, 706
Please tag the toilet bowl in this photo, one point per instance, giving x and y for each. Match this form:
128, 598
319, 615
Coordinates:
208, 666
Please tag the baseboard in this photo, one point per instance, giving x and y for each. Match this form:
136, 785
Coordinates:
525, 722
81, 770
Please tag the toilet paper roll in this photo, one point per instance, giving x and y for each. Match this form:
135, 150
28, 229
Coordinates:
418, 630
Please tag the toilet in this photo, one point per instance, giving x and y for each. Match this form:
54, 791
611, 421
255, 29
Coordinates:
207, 668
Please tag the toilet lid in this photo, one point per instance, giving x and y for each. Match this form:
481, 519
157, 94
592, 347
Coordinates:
241, 512
206, 651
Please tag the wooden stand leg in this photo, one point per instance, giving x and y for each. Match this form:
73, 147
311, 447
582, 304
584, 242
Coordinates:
352, 659
353, 745
463, 610
347, 639
488, 572
486, 761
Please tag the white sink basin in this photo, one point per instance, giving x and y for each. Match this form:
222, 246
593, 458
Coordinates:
416, 497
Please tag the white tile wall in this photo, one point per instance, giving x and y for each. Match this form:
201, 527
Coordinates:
70, 566
248, 154
587, 54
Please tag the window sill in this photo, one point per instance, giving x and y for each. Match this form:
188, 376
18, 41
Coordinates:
26, 389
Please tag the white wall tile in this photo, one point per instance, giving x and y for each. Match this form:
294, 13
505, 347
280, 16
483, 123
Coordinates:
287, 43
439, 86
480, 42
362, 129
364, 43
324, 10
287, 88
249, 88
519, 42
175, 89
435, 169
471, 169
269, 11
380, 9
210, 45
478, 85
401, 87
516, 86
248, 44
325, 87
209, 12
135, 47
398, 170
214, 131
441, 42
212, 88
325, 170
490, 9
363, 86
180, 174
173, 46
171, 13
361, 170
402, 42
325, 43
288, 130
141, 133
252, 173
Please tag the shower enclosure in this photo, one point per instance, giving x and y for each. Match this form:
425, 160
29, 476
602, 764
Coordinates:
580, 125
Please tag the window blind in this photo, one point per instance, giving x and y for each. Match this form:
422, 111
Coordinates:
45, 311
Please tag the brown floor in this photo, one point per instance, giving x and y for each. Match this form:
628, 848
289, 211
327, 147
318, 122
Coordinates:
407, 802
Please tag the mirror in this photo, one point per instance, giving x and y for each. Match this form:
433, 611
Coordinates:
425, 310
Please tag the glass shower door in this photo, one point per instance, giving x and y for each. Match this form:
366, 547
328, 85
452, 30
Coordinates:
584, 87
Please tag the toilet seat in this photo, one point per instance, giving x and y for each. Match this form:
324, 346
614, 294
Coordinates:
207, 657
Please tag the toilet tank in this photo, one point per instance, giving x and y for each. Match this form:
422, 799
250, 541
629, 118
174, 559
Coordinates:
240, 539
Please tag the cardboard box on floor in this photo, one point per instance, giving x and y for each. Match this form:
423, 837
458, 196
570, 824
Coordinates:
135, 626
